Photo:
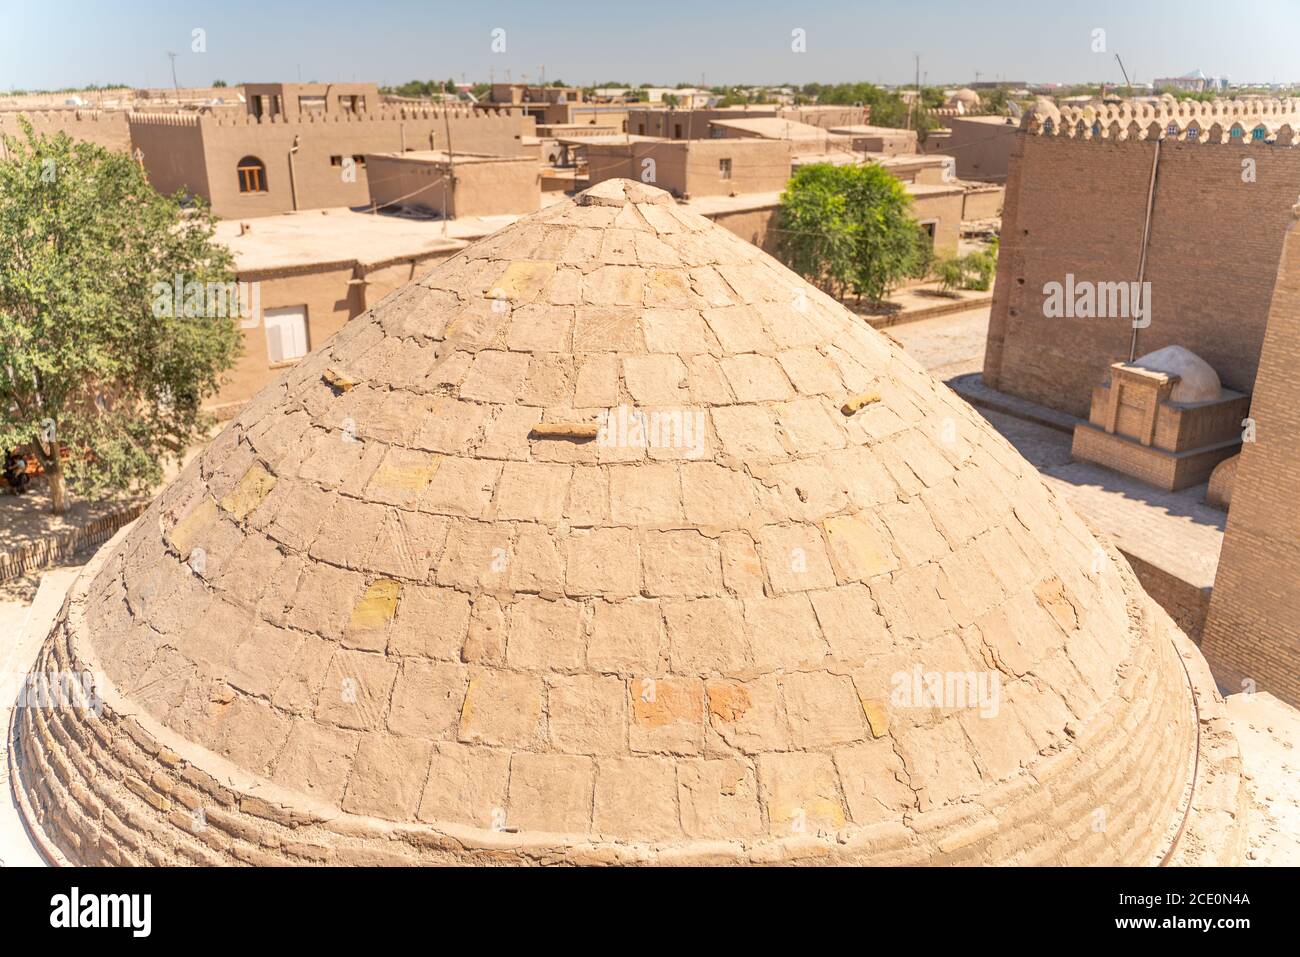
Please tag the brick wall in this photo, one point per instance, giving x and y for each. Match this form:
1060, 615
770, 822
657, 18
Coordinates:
1253, 629
1078, 206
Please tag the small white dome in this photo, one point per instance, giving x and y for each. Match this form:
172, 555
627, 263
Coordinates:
1197, 380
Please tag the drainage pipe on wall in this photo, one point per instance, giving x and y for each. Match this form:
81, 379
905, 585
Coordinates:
1146, 240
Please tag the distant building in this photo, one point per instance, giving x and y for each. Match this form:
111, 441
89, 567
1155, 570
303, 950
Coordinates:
303, 146
315, 270
454, 185
1194, 82
981, 146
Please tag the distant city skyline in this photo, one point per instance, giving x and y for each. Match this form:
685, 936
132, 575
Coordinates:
79, 43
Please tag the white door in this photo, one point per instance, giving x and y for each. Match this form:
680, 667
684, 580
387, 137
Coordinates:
286, 333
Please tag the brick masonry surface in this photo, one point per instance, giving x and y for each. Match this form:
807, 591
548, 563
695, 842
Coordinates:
1079, 207
387, 612
1253, 629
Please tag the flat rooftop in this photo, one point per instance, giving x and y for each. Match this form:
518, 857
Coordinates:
442, 157
612, 139
343, 236
774, 128
719, 205
990, 120
866, 129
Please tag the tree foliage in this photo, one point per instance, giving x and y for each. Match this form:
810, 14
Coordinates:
850, 229
975, 270
888, 107
90, 366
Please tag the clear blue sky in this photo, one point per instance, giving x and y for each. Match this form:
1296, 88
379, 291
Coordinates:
48, 44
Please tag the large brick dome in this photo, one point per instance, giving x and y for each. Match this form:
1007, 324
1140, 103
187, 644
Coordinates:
427, 599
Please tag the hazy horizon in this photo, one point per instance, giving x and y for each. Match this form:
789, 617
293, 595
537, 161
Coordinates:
79, 43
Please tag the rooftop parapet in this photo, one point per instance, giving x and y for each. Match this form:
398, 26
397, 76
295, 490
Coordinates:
1252, 120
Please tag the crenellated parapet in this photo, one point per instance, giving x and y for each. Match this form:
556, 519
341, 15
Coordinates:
388, 115
1251, 120
163, 119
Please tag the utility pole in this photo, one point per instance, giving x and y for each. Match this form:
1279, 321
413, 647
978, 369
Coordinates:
175, 85
916, 102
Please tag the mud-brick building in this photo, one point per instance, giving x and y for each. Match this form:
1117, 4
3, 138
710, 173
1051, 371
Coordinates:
276, 158
1195, 199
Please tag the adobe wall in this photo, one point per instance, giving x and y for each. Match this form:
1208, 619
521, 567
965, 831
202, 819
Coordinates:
984, 202
1253, 629
755, 167
754, 226
331, 301
108, 129
945, 210
610, 161
694, 123
690, 168
826, 116
482, 188
226, 140
171, 145
1078, 206
982, 148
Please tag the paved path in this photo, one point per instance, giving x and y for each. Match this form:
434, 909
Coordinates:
946, 345
1175, 531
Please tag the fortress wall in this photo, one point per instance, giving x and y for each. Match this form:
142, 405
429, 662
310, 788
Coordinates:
1078, 206
1253, 629
108, 129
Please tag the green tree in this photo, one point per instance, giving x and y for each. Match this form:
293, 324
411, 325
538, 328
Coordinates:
850, 229
951, 273
99, 374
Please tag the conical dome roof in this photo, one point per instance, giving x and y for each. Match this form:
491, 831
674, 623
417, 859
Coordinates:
610, 539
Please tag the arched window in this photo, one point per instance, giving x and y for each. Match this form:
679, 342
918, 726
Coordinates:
252, 175
1172, 130
1048, 125
1235, 132
1096, 129
1259, 133
1193, 133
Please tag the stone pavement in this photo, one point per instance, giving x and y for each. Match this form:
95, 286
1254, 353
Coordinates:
1172, 531
1175, 531
946, 345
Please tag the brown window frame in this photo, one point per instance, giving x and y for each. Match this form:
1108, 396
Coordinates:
252, 175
